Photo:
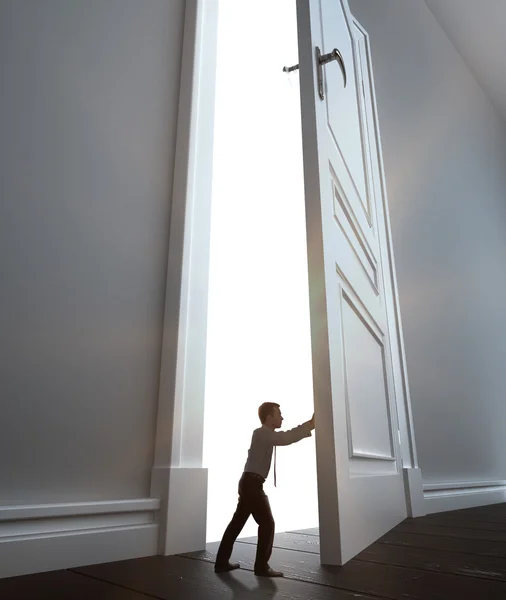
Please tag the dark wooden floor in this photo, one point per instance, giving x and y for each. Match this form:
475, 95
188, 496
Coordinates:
458, 555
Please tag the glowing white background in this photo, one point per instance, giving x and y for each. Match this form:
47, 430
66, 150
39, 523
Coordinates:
258, 333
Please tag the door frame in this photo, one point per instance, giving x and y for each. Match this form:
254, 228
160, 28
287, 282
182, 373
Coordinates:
177, 473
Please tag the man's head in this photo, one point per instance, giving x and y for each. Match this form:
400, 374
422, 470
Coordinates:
270, 415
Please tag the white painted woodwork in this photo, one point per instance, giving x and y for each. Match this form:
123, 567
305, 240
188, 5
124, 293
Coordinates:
183, 510
23, 555
75, 509
45, 537
441, 497
177, 477
360, 479
413, 485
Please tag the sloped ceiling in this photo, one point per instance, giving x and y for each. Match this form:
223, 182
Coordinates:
477, 29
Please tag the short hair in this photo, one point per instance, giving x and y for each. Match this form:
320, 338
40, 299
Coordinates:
266, 409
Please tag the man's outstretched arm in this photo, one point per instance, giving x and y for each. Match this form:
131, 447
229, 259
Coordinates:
285, 438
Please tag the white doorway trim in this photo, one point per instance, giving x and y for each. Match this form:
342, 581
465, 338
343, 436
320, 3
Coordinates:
178, 479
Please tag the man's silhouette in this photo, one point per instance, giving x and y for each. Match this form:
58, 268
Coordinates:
252, 498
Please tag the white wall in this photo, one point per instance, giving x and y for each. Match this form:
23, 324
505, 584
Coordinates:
258, 333
88, 115
445, 156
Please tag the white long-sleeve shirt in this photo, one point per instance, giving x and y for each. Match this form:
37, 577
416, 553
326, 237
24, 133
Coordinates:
263, 441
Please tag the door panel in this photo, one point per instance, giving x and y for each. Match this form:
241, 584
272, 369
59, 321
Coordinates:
369, 430
360, 482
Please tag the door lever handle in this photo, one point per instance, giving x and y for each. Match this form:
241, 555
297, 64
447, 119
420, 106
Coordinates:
322, 60
290, 69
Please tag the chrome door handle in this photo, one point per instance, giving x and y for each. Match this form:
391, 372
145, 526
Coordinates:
323, 60
320, 61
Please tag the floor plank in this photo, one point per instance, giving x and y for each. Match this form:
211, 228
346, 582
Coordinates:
459, 524
63, 585
493, 512
484, 567
310, 531
419, 536
456, 532
181, 578
385, 581
486, 522
291, 541
450, 544
479, 517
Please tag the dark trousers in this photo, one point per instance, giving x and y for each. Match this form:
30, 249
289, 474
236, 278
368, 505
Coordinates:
252, 501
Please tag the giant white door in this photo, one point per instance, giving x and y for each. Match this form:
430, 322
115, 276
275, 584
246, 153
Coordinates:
360, 483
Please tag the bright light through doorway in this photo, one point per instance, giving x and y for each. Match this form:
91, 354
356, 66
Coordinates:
258, 320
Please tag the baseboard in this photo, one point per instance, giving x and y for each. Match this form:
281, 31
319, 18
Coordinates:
62, 536
442, 497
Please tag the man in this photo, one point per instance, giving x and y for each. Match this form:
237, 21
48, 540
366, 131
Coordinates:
252, 498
